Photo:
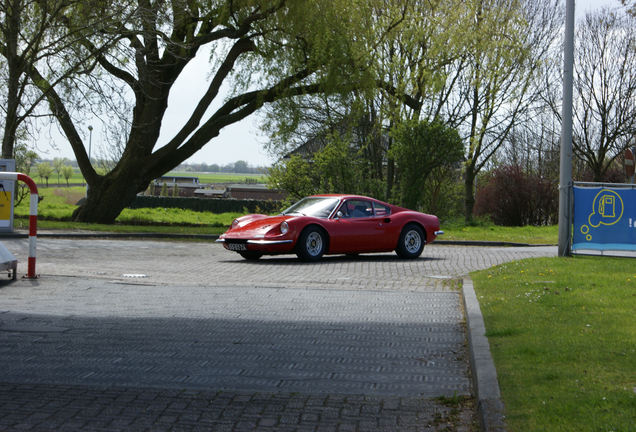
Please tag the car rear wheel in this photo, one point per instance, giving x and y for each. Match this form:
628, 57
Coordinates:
251, 255
311, 244
411, 243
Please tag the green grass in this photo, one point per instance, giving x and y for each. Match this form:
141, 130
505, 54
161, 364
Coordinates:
563, 337
491, 232
58, 204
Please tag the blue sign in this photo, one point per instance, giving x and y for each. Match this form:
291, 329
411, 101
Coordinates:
604, 218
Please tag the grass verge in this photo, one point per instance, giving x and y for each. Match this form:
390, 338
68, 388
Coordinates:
563, 337
491, 232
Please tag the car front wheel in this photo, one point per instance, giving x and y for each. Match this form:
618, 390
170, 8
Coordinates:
311, 244
411, 243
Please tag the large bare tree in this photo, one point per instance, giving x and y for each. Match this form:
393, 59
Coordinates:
496, 89
604, 89
263, 50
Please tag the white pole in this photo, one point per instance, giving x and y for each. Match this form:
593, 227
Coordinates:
90, 142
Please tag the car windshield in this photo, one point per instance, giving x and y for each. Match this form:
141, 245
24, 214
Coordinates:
313, 206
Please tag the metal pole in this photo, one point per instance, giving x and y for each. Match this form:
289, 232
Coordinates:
90, 142
565, 178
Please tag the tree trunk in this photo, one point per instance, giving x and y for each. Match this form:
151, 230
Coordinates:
110, 194
12, 27
8, 139
390, 175
469, 194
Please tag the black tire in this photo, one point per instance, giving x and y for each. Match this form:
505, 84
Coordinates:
411, 243
251, 255
311, 244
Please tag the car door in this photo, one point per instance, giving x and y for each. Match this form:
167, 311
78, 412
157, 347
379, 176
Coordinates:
357, 228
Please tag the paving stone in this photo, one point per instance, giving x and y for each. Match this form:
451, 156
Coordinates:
208, 341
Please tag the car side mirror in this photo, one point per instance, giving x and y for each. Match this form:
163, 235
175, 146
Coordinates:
339, 215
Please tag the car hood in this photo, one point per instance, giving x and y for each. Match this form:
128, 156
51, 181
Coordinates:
256, 225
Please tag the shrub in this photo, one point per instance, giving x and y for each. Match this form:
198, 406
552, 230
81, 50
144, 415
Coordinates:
512, 197
420, 148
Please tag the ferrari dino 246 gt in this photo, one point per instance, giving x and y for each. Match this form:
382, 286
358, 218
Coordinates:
332, 224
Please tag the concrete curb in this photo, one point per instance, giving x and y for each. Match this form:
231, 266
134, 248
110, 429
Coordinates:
490, 407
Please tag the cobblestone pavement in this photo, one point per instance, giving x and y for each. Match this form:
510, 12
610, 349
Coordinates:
147, 335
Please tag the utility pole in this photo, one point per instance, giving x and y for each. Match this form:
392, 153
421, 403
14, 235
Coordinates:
90, 143
565, 176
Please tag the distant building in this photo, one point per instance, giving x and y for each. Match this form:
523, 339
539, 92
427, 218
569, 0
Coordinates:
191, 187
185, 186
211, 192
177, 179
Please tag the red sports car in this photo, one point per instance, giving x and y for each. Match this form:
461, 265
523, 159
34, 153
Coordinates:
332, 224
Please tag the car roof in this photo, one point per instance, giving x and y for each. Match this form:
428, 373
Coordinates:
344, 196
393, 207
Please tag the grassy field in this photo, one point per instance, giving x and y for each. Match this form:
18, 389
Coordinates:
203, 178
223, 177
563, 337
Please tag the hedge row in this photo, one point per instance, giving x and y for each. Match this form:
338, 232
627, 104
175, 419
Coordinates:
213, 205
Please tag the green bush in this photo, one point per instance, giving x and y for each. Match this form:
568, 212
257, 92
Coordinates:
207, 204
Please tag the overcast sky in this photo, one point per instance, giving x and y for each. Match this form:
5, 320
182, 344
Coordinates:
241, 141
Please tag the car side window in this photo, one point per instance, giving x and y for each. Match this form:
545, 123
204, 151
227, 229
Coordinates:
343, 212
381, 210
356, 209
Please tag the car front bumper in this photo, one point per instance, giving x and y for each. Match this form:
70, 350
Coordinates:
266, 246
260, 242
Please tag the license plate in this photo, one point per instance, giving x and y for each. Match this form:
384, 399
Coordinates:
237, 246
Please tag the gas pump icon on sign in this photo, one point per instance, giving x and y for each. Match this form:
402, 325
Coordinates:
607, 210
607, 206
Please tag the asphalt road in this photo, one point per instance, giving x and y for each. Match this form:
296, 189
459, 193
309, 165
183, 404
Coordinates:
149, 335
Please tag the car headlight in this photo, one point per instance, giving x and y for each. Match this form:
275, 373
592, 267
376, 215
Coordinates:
235, 223
284, 228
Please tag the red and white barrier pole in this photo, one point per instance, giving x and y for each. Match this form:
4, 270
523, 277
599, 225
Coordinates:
33, 215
